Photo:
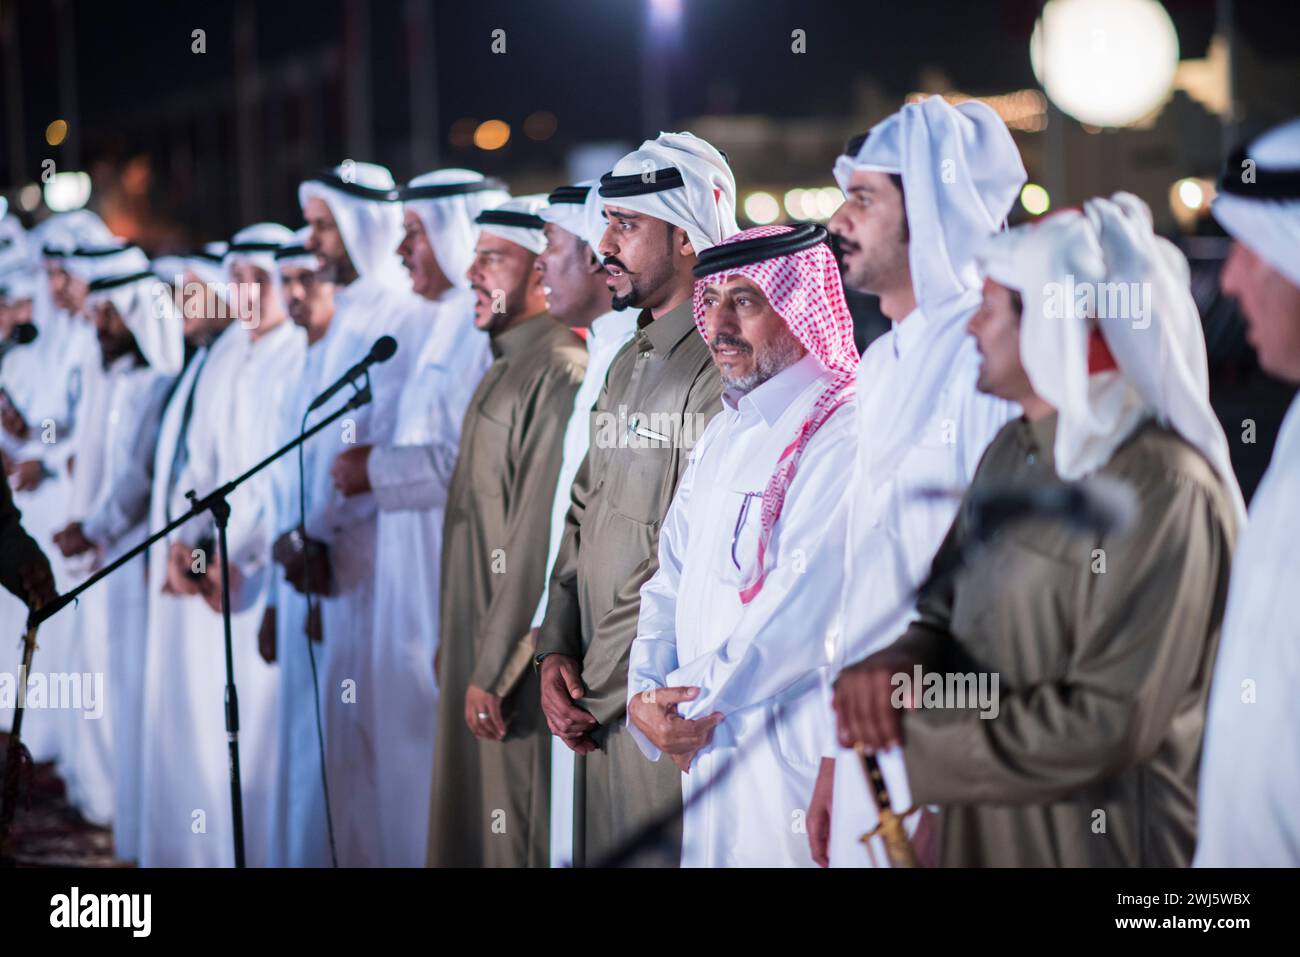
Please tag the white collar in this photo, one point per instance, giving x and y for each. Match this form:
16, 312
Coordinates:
908, 332
771, 399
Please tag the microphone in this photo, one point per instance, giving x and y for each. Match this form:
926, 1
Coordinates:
20, 335
381, 351
1100, 504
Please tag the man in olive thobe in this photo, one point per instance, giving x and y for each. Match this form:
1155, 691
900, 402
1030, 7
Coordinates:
661, 391
1102, 642
492, 756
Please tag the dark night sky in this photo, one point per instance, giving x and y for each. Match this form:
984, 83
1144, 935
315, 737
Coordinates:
577, 58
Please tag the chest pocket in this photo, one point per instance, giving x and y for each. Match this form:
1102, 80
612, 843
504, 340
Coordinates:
641, 481
742, 519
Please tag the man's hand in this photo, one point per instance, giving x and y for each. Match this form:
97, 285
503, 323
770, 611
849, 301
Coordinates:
38, 582
864, 711
72, 540
561, 678
179, 580
349, 471
28, 475
483, 714
11, 420
819, 814
266, 637
305, 561
654, 712
210, 584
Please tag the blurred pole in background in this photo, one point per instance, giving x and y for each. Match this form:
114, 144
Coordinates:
67, 45
246, 112
1226, 26
356, 79
423, 71
18, 172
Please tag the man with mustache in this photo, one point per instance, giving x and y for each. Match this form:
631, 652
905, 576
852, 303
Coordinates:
922, 189
298, 835
492, 759
410, 478
250, 369
1102, 640
1250, 774
574, 282
665, 204
141, 345
726, 634
355, 227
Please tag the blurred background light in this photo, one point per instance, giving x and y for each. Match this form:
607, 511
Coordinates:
762, 208
1105, 62
1035, 199
29, 197
67, 191
56, 132
540, 125
492, 134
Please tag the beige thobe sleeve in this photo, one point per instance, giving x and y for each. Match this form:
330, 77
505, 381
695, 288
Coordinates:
1132, 641
537, 451
607, 701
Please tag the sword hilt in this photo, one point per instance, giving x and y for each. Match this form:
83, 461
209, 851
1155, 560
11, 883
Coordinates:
890, 829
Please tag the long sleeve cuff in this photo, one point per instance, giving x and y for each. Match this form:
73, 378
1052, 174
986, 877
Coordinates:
651, 661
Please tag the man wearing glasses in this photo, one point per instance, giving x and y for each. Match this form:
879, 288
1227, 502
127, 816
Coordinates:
725, 672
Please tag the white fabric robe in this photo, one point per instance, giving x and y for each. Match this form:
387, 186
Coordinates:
186, 792
363, 311
930, 365
762, 665
298, 835
607, 335
47, 385
172, 618
110, 619
1249, 814
410, 480
36, 377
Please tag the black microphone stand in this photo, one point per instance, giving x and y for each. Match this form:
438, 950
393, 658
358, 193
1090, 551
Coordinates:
214, 502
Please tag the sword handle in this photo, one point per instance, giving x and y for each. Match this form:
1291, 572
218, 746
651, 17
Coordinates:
890, 829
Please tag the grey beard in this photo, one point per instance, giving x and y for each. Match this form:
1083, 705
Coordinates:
767, 364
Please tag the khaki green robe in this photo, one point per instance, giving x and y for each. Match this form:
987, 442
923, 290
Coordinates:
491, 798
1104, 647
663, 382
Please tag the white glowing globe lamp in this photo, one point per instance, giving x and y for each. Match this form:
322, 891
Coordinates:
67, 191
1105, 62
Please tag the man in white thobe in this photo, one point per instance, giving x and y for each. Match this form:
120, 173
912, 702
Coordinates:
45, 382
725, 675
140, 338
574, 282
922, 189
409, 479
1250, 774
195, 281
186, 791
299, 833
354, 231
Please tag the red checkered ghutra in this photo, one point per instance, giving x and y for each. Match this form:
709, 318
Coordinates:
805, 290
